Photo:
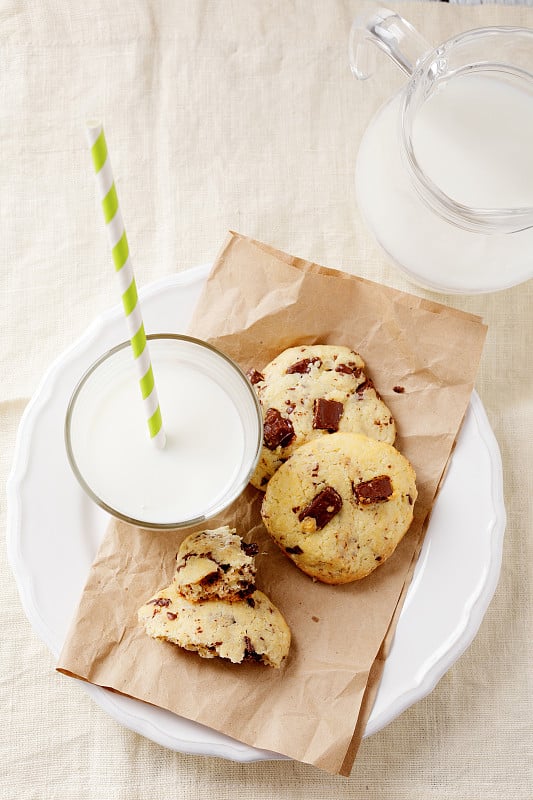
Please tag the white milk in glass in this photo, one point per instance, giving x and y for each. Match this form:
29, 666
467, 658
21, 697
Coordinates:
211, 424
473, 139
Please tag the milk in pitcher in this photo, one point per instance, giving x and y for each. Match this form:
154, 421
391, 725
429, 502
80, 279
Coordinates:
473, 139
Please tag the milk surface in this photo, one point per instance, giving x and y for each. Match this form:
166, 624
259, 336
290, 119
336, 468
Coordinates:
206, 452
474, 141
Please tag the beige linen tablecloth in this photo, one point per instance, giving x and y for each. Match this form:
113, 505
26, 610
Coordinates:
220, 115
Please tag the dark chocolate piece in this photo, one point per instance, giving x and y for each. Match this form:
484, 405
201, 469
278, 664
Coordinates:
159, 601
350, 368
254, 376
303, 366
250, 548
376, 490
249, 652
398, 389
326, 414
277, 430
323, 507
364, 386
211, 578
295, 551
247, 591
171, 615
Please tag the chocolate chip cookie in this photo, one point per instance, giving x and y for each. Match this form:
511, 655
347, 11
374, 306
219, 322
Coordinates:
212, 605
340, 505
244, 630
215, 564
309, 392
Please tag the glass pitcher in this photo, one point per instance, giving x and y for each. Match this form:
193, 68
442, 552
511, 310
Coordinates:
444, 173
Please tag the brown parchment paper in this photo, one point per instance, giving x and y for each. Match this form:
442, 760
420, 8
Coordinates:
256, 302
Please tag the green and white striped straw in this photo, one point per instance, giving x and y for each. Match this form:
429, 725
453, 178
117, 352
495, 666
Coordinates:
121, 257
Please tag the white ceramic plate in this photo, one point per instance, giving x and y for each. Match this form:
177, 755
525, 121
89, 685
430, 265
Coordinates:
54, 531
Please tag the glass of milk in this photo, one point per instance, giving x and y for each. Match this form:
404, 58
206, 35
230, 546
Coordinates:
444, 172
212, 422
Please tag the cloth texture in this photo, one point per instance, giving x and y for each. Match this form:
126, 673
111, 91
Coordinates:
244, 116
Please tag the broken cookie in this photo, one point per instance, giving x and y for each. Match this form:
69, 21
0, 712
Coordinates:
215, 564
245, 630
212, 605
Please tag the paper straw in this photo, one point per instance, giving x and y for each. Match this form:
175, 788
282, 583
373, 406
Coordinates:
121, 257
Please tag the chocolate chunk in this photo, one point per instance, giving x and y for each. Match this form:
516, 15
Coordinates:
326, 414
303, 366
254, 376
350, 368
249, 652
277, 430
398, 389
210, 579
250, 548
364, 386
323, 507
295, 551
171, 615
159, 601
376, 490
251, 602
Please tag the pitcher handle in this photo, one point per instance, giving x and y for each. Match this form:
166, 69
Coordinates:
387, 31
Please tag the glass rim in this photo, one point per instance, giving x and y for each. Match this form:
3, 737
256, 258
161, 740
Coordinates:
482, 220
221, 506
